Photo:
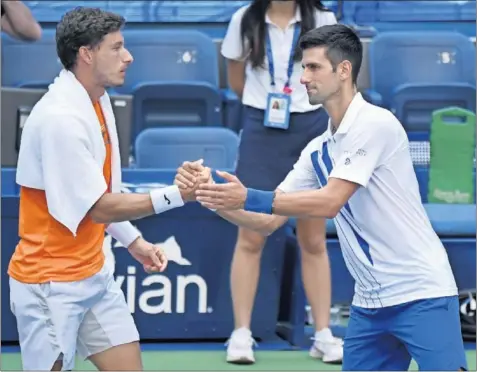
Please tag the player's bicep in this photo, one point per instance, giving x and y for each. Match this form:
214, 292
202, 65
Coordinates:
339, 191
73, 179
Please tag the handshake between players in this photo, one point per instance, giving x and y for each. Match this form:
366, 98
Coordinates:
196, 180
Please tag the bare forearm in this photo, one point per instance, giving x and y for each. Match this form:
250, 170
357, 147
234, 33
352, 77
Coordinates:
306, 204
19, 21
117, 207
237, 88
236, 76
122, 207
259, 222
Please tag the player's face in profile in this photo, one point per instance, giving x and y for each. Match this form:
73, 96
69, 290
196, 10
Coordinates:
318, 76
111, 60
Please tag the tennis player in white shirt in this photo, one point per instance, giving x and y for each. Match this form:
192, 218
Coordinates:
360, 173
264, 70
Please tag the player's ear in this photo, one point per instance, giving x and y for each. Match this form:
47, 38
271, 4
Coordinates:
86, 54
345, 70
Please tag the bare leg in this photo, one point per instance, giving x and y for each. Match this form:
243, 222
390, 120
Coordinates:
57, 366
244, 275
244, 280
125, 357
315, 269
317, 282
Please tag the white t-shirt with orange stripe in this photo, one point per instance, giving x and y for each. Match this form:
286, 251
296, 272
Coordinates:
55, 150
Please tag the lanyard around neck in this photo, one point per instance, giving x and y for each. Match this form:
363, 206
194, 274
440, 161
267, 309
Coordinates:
271, 65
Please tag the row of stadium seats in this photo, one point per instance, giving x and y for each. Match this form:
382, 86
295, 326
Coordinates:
177, 83
173, 80
167, 148
369, 12
367, 15
414, 74
159, 56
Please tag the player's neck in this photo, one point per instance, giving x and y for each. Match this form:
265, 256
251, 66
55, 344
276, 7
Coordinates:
336, 107
94, 90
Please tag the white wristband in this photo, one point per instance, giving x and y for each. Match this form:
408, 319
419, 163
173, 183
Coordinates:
124, 232
166, 198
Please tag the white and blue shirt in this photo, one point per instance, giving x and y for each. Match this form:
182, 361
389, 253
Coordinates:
387, 240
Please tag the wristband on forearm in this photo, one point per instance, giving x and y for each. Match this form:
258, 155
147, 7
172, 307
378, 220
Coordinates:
124, 232
166, 198
259, 201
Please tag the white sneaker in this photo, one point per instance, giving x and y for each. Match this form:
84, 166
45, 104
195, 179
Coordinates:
326, 347
240, 347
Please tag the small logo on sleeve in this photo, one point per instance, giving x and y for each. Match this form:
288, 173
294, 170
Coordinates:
167, 199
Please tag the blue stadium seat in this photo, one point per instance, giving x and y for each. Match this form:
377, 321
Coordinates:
417, 11
414, 104
175, 104
169, 56
232, 110
173, 79
358, 12
30, 65
170, 147
452, 220
410, 15
51, 11
191, 11
467, 10
406, 66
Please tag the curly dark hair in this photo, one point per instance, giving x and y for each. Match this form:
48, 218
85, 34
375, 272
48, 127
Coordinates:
83, 27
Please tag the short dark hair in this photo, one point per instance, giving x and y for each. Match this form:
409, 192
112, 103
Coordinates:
83, 27
341, 44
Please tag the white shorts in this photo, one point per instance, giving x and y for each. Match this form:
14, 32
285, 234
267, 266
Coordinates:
57, 319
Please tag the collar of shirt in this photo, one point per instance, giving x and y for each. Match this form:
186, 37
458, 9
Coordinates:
349, 117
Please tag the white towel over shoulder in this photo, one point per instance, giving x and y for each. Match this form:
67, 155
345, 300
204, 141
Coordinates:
62, 150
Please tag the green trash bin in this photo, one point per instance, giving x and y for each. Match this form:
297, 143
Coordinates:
452, 142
